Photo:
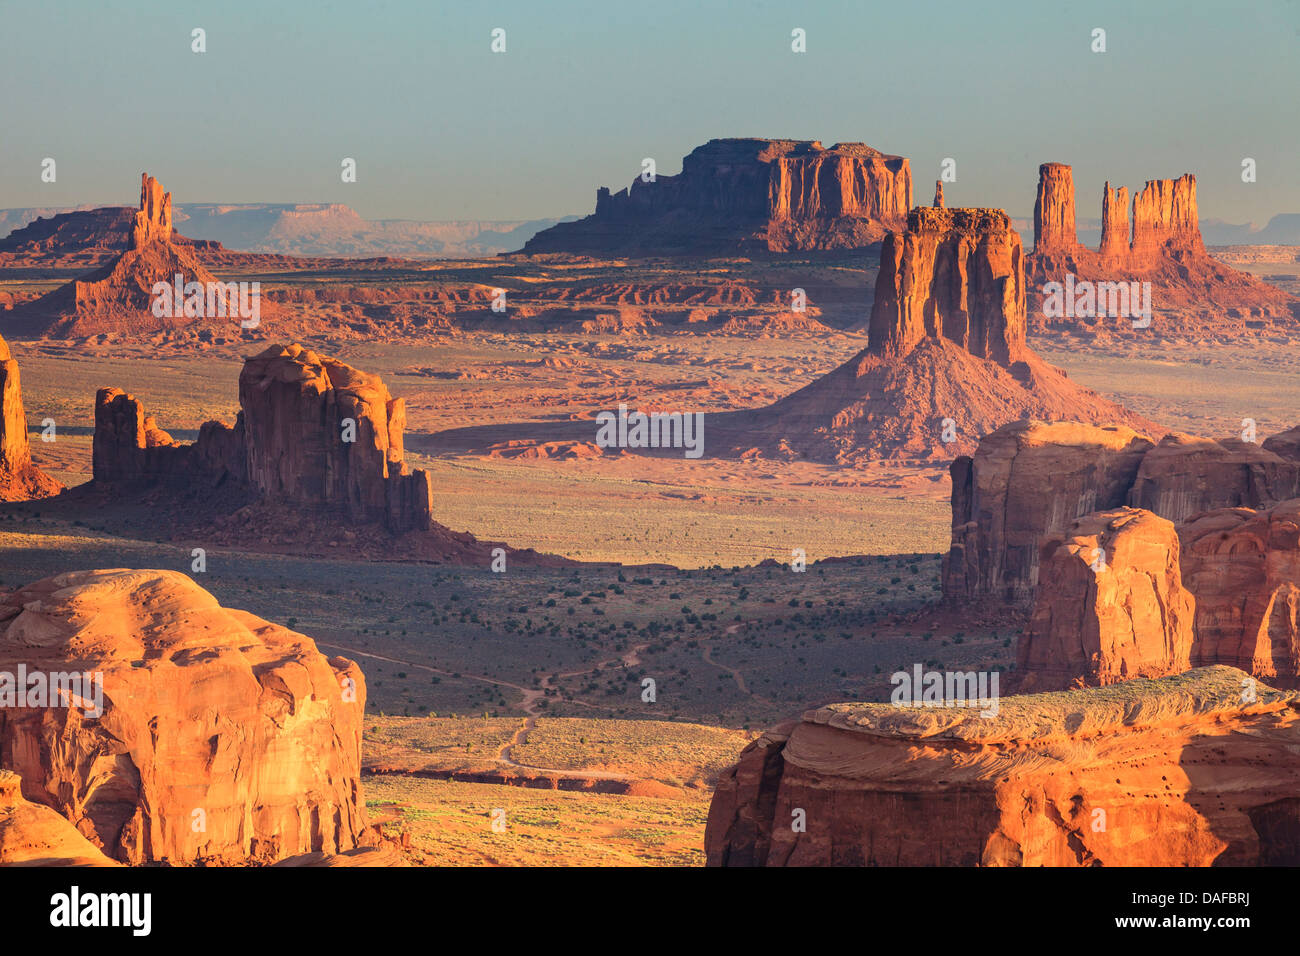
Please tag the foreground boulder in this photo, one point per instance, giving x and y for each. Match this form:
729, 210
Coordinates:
34, 835
214, 736
1112, 605
1181, 771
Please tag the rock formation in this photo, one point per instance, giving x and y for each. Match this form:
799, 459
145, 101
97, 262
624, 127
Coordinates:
120, 296
19, 478
312, 432
34, 835
1244, 568
938, 194
747, 195
223, 738
946, 360
1035, 478
1184, 475
1177, 771
1189, 289
1026, 481
1112, 605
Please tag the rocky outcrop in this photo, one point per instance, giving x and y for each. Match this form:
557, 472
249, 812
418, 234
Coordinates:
956, 274
34, 835
747, 195
1054, 228
1160, 244
214, 737
1026, 481
1179, 771
938, 194
946, 360
1111, 605
1038, 477
120, 296
19, 478
1244, 568
313, 432
1184, 475
1165, 219
1114, 224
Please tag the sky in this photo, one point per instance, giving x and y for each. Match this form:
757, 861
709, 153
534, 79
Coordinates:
443, 128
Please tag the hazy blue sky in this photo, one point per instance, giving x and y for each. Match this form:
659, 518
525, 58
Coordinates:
442, 128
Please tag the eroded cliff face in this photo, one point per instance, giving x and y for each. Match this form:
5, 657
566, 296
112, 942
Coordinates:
313, 432
1036, 477
956, 274
1179, 771
1026, 481
747, 195
19, 478
219, 737
1158, 243
1111, 605
1244, 568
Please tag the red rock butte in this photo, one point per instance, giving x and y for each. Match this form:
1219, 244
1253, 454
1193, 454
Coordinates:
738, 195
19, 478
946, 360
119, 296
1160, 242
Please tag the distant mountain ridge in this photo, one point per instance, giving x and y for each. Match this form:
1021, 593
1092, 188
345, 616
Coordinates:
324, 229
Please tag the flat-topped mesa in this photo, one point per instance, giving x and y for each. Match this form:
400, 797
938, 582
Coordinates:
312, 431
1165, 218
1114, 223
153, 220
750, 194
1054, 226
954, 274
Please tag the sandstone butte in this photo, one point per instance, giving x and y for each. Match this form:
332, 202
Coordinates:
1223, 588
946, 360
1029, 480
1160, 243
19, 478
224, 738
1185, 772
118, 297
287, 459
747, 195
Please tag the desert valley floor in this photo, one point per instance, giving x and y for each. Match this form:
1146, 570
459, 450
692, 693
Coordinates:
533, 677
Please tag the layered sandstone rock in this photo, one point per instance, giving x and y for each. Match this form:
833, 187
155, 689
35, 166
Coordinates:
34, 835
956, 274
312, 431
1179, 771
946, 362
223, 738
1160, 244
19, 478
747, 195
1054, 227
1026, 481
1244, 568
1184, 475
938, 194
1111, 605
120, 295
